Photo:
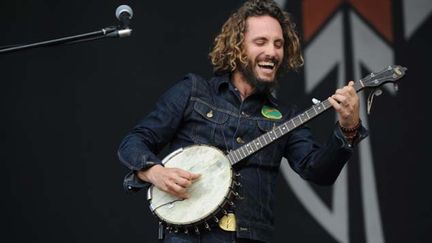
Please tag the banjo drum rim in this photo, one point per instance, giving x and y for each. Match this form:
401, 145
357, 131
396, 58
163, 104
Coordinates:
212, 213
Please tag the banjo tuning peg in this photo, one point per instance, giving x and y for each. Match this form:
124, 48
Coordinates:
377, 92
315, 101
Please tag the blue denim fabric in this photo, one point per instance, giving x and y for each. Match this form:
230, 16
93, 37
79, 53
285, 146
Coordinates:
216, 235
180, 119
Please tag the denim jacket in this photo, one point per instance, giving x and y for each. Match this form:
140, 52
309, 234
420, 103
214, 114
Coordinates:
181, 118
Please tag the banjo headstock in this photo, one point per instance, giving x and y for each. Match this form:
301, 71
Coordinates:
391, 74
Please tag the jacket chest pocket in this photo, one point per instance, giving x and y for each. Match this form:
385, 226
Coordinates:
208, 124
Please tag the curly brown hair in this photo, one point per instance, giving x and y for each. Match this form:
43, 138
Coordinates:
228, 51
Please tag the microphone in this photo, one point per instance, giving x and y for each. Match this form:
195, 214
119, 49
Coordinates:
124, 13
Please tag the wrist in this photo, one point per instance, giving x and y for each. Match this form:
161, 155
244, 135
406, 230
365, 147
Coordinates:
348, 129
350, 133
147, 174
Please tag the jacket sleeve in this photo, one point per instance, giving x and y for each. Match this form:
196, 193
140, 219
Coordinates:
320, 164
138, 150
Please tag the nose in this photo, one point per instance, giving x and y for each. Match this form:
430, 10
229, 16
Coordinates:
270, 50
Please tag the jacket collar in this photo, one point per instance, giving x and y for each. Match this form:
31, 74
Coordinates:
224, 81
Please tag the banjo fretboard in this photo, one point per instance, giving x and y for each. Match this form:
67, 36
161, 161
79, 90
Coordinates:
265, 139
389, 74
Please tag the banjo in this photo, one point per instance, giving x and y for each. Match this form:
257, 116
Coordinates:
215, 190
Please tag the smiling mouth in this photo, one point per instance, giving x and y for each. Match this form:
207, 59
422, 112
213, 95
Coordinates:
267, 65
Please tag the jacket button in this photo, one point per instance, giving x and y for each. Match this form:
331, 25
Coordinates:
210, 114
239, 140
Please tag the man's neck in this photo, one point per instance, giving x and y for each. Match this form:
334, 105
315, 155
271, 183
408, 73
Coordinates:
239, 81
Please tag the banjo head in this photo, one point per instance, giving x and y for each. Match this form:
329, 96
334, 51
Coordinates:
207, 194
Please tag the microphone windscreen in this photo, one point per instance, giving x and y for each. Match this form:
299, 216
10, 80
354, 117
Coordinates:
123, 8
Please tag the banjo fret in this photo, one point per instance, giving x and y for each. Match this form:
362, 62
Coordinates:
277, 132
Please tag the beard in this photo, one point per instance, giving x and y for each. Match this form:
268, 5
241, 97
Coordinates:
261, 86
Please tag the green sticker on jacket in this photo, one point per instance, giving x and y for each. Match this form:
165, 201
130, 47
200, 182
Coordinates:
271, 113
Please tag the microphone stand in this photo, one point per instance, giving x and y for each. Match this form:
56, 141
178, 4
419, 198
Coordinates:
108, 32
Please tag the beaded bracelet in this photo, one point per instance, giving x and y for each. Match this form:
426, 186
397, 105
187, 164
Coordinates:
350, 130
350, 133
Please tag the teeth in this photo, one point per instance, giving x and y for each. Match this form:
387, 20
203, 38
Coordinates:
271, 64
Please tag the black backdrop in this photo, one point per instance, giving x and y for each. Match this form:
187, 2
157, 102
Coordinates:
65, 109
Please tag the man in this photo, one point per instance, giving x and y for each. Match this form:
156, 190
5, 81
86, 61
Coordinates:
256, 44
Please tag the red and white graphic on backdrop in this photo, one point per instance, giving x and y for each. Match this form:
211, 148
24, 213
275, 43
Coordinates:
327, 27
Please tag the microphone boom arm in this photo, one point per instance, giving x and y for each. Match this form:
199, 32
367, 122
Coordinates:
110, 32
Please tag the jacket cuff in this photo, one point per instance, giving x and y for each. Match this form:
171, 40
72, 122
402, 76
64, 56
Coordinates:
132, 183
362, 133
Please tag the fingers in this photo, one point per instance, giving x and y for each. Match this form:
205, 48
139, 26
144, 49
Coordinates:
336, 105
177, 190
187, 175
341, 99
194, 176
346, 96
182, 182
347, 90
346, 103
174, 181
342, 106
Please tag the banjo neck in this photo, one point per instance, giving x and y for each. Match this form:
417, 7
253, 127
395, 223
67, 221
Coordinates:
373, 80
277, 132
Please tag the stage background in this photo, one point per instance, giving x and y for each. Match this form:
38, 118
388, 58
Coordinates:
65, 110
